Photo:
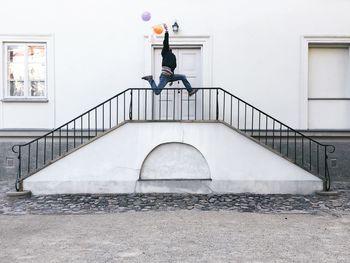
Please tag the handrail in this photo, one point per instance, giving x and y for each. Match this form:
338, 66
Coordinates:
277, 120
76, 118
140, 104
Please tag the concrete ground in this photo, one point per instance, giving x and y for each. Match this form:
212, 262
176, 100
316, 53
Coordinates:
178, 236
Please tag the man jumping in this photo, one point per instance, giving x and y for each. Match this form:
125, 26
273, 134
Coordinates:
168, 67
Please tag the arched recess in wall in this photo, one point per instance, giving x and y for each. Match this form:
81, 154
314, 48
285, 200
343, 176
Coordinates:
175, 161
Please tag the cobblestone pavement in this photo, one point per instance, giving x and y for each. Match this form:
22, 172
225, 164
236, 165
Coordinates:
96, 204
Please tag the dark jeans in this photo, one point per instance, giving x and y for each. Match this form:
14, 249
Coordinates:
164, 79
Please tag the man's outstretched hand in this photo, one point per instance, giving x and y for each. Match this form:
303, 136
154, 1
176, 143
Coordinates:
166, 27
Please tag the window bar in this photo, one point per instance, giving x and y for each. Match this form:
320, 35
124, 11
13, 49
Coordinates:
28, 158
36, 157
59, 142
103, 117
67, 139
310, 155
81, 129
245, 117
44, 150
318, 160
167, 101
124, 106
273, 134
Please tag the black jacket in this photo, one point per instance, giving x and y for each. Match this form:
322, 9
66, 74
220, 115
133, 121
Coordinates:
169, 59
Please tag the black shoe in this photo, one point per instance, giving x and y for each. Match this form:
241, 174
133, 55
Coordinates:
193, 91
148, 78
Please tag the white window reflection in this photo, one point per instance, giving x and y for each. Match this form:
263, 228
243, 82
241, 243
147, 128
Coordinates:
37, 88
16, 88
15, 54
36, 54
36, 71
16, 71
26, 70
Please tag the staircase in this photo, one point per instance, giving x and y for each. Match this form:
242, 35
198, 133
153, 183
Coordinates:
173, 105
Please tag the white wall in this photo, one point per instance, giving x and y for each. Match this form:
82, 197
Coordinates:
112, 164
99, 46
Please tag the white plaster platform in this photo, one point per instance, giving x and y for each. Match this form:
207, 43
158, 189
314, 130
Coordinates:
191, 158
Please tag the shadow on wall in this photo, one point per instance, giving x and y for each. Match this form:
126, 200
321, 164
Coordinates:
175, 161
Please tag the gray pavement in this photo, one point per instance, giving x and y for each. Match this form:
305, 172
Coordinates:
175, 228
178, 236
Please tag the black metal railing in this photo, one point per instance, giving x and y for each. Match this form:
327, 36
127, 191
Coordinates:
174, 104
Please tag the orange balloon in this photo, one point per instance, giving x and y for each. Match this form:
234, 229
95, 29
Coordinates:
158, 29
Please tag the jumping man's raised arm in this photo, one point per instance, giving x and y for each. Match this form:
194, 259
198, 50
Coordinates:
166, 41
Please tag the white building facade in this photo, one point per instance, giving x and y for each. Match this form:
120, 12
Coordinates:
290, 59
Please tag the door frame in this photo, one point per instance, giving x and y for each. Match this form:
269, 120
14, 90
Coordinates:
306, 41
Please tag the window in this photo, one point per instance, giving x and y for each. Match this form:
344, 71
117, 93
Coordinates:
329, 86
25, 70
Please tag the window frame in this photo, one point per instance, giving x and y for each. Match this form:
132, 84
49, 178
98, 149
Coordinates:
306, 42
26, 81
47, 40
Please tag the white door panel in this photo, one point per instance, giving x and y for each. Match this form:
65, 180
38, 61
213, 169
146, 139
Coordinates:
175, 104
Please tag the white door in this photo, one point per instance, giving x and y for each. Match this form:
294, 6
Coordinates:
176, 104
329, 87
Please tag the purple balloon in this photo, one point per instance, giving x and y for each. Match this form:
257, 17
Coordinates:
146, 16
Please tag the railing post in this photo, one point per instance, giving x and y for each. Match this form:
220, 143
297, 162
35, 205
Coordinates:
130, 109
19, 183
327, 182
217, 104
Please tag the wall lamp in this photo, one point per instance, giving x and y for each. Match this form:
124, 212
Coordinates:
175, 27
